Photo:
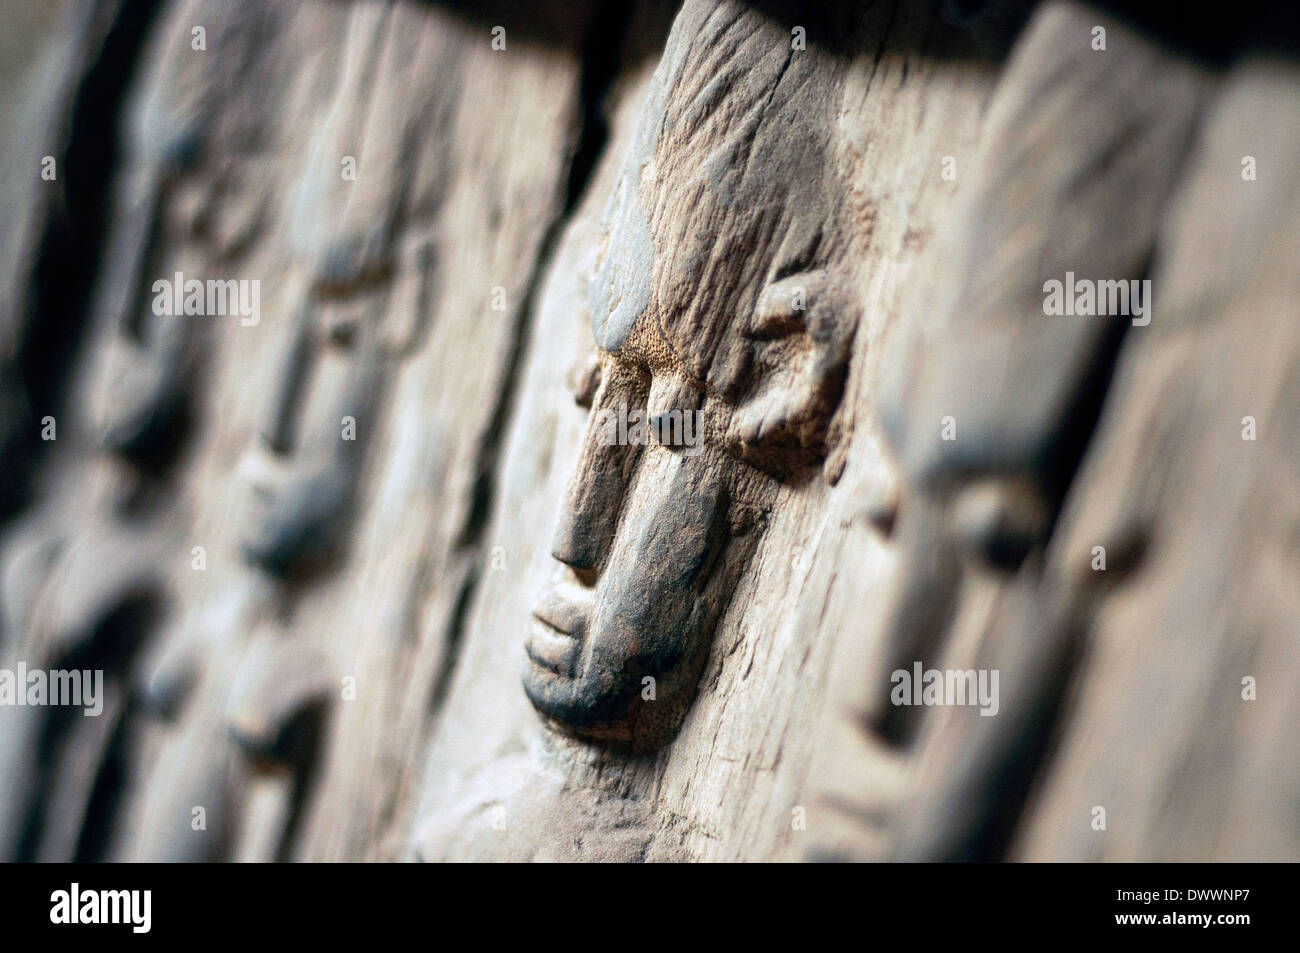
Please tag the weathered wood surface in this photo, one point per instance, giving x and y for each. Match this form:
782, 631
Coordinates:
371, 576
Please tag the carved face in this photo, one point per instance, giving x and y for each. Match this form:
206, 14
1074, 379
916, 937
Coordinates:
358, 316
191, 201
150, 361
362, 287
719, 293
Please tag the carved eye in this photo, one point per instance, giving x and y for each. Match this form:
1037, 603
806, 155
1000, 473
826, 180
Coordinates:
675, 419
341, 333
999, 522
340, 320
677, 429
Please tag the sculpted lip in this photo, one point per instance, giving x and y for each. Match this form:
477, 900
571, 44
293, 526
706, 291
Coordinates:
554, 651
559, 624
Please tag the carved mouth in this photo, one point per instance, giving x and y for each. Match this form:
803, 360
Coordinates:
600, 697
551, 649
555, 638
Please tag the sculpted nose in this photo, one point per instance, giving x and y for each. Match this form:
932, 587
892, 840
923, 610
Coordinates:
595, 496
585, 531
277, 426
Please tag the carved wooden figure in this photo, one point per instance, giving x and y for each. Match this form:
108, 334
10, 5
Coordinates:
714, 305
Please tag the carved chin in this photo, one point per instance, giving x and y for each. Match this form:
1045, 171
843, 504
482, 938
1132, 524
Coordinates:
297, 526
145, 428
272, 552
584, 697
285, 541
592, 709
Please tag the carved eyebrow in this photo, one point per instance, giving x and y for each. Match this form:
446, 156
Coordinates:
353, 263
